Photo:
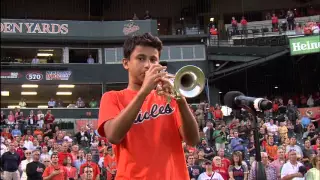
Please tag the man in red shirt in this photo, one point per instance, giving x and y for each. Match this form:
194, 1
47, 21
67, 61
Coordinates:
244, 24
275, 22
55, 171
64, 154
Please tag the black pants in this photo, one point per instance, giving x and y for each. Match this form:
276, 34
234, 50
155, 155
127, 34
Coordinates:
291, 25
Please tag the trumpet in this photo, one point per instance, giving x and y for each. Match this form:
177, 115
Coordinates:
189, 82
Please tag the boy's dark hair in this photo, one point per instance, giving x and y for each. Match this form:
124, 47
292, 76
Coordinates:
145, 39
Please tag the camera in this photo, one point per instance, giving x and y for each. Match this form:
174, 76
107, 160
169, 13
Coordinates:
221, 133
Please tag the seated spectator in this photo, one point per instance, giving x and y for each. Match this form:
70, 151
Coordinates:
80, 103
51, 103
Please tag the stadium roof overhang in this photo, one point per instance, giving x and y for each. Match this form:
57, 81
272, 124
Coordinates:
235, 59
189, 39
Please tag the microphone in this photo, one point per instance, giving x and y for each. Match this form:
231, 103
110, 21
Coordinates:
236, 100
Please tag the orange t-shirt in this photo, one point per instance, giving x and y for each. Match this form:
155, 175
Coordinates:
152, 147
50, 169
110, 162
271, 151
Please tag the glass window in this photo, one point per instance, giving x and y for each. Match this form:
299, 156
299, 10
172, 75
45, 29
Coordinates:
199, 52
187, 52
165, 53
119, 54
89, 56
175, 53
110, 55
44, 93
31, 55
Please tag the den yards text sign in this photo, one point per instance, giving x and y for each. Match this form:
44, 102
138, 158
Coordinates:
30, 28
304, 45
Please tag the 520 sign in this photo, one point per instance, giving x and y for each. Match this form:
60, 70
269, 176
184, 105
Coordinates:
34, 76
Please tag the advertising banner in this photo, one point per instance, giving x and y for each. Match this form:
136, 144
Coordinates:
35, 76
58, 75
313, 111
64, 29
304, 45
10, 75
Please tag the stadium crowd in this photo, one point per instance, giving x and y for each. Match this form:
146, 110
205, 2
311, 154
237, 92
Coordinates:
290, 143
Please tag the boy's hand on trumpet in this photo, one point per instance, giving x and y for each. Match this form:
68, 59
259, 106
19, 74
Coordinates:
165, 87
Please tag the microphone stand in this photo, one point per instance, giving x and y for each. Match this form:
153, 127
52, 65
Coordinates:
260, 171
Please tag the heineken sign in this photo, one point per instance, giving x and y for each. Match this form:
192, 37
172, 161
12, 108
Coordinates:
304, 45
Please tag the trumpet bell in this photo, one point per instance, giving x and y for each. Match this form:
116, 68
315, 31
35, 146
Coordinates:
189, 81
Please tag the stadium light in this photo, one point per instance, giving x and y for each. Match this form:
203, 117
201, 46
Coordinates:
5, 93
64, 93
13, 106
43, 106
66, 86
28, 93
44, 54
30, 85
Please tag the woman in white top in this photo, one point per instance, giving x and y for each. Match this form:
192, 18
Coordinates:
40, 117
24, 163
209, 174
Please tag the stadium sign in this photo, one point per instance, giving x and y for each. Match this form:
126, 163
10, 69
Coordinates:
58, 75
34, 28
304, 45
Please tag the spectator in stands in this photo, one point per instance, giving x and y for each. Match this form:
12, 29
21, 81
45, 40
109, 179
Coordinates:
293, 146
270, 170
90, 59
10, 163
71, 171
110, 163
55, 171
244, 24
64, 153
217, 166
93, 103
290, 20
16, 131
49, 118
80, 160
271, 148
50, 59
147, 15
95, 167
200, 116
290, 169
275, 22
80, 103
22, 103
24, 163
237, 171
40, 118
314, 173
35, 60
59, 103
209, 173
237, 143
88, 173
51, 103
3, 118
220, 137
135, 17
234, 25
278, 163
35, 169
